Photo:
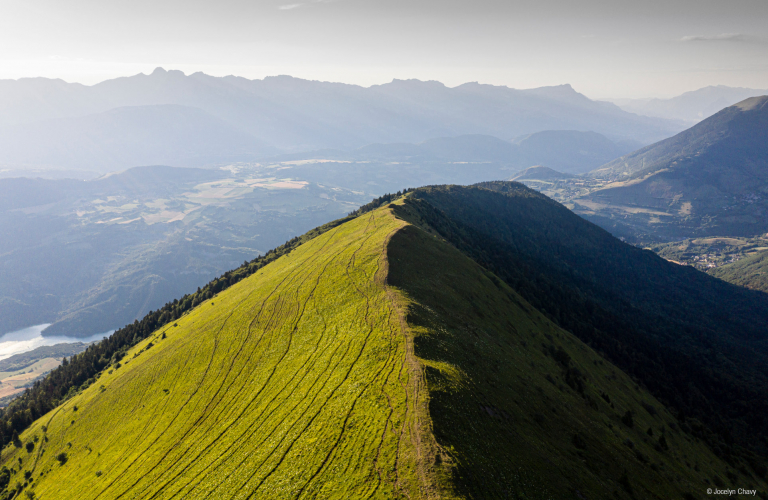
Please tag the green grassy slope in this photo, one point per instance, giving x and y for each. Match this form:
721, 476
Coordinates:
526, 409
751, 272
292, 382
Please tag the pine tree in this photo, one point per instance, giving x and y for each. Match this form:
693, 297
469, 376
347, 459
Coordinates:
15, 440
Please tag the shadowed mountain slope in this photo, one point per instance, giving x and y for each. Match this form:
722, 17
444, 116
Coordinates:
525, 408
655, 320
373, 360
709, 180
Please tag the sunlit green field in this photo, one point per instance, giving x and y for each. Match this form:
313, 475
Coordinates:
291, 383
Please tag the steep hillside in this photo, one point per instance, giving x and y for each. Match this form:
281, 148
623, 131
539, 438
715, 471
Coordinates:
525, 409
739, 129
295, 381
751, 272
374, 360
711, 179
653, 319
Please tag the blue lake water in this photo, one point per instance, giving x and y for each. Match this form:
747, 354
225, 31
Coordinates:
31, 338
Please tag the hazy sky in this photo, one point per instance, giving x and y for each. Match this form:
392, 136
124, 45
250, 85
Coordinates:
603, 48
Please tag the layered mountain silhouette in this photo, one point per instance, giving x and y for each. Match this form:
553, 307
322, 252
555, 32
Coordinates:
708, 180
690, 107
252, 116
454, 342
566, 150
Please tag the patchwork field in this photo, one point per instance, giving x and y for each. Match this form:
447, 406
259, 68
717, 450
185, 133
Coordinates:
15, 381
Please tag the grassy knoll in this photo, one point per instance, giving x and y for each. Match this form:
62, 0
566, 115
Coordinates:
293, 382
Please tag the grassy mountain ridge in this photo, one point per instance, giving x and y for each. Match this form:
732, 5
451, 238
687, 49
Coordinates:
314, 378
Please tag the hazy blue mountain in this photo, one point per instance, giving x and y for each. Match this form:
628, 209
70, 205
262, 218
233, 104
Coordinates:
692, 106
128, 136
287, 113
563, 150
539, 173
570, 151
711, 179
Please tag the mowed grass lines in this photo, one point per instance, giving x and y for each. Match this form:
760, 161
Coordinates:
291, 384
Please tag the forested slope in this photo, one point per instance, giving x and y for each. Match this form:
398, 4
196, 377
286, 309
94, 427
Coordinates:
750, 272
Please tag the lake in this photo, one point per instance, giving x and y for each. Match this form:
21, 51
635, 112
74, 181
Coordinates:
32, 337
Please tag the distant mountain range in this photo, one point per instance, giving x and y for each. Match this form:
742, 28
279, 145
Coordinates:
690, 107
129, 136
187, 120
565, 150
